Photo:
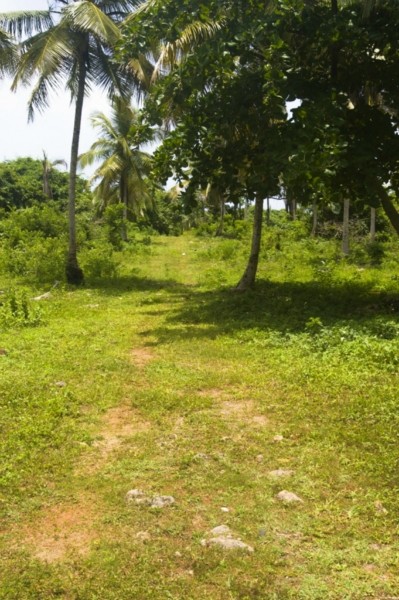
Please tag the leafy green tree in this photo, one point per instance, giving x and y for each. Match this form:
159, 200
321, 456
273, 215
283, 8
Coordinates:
123, 175
227, 126
73, 44
22, 185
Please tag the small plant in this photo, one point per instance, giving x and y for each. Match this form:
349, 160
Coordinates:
17, 311
385, 329
314, 325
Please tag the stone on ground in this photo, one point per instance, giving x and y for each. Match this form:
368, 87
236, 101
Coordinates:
224, 537
139, 497
281, 473
288, 497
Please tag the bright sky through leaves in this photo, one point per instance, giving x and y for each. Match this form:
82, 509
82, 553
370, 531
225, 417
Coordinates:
50, 131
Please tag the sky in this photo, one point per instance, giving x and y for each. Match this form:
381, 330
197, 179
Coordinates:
50, 131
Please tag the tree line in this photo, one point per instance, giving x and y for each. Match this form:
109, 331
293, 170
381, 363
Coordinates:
219, 77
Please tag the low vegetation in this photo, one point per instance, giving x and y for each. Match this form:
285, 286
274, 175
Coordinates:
158, 377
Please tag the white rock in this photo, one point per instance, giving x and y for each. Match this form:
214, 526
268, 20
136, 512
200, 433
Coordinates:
278, 438
143, 535
288, 497
60, 384
133, 495
162, 501
228, 543
281, 473
221, 530
259, 458
139, 497
224, 509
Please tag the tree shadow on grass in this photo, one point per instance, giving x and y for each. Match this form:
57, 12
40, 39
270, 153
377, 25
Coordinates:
116, 286
276, 306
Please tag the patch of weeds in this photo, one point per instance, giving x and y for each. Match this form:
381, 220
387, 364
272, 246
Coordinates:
99, 261
16, 310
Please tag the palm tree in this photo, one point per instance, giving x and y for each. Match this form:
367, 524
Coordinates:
48, 166
7, 52
123, 173
73, 44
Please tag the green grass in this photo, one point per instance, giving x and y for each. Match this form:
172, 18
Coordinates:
165, 364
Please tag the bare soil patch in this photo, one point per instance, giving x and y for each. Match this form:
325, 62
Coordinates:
242, 411
61, 530
141, 357
118, 425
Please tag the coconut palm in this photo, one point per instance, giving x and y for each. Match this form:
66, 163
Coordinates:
48, 166
73, 44
123, 173
7, 52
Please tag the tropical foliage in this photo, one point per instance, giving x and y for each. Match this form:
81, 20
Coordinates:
123, 173
73, 46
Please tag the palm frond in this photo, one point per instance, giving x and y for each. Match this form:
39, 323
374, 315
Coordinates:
118, 10
142, 7
43, 54
194, 34
107, 75
24, 23
8, 53
88, 17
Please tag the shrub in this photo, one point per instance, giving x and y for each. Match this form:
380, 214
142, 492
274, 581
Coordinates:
17, 311
99, 261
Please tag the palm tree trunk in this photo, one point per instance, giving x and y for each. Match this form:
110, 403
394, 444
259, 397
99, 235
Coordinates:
46, 184
268, 210
372, 223
124, 215
345, 228
248, 279
74, 273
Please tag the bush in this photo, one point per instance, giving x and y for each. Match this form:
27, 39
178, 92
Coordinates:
99, 261
17, 311
42, 260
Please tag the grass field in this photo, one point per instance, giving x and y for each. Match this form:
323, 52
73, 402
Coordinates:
164, 380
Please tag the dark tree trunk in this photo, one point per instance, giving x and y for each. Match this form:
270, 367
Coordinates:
345, 228
268, 210
248, 279
125, 201
334, 48
372, 223
74, 273
293, 209
220, 228
390, 210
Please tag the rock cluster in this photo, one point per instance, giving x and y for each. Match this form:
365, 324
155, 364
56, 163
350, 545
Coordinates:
223, 537
139, 497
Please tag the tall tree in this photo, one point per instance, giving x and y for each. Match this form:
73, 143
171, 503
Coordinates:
123, 173
48, 166
73, 44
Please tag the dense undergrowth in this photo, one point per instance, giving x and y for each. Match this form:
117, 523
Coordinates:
207, 378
